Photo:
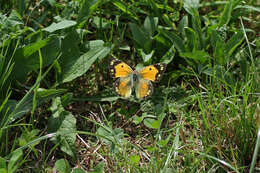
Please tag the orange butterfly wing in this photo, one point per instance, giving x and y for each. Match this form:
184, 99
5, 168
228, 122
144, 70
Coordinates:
123, 87
152, 72
118, 68
122, 71
143, 88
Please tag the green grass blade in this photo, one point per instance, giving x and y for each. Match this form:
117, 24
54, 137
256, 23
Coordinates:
252, 166
37, 87
220, 161
249, 47
226, 15
174, 149
249, 7
124, 7
234, 42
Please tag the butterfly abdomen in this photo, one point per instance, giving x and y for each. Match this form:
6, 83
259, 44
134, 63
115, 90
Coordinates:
135, 77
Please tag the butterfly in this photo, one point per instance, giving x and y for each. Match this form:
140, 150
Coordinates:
139, 80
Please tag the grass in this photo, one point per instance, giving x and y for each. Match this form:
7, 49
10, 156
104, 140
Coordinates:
59, 111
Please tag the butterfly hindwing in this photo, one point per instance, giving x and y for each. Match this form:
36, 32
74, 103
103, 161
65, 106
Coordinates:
143, 88
118, 68
153, 72
123, 86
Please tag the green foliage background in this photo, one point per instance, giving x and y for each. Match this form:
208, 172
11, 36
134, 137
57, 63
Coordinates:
57, 105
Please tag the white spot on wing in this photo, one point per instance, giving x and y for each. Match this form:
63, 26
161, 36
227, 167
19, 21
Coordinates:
162, 68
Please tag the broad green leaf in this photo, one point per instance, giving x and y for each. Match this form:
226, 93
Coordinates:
192, 39
145, 57
62, 166
163, 143
134, 159
78, 170
214, 37
70, 53
67, 99
63, 123
27, 58
28, 136
138, 120
234, 42
191, 4
14, 164
25, 105
219, 73
106, 95
162, 41
150, 25
198, 55
88, 7
226, 15
52, 2
99, 168
141, 37
152, 123
101, 23
183, 23
218, 48
175, 39
13, 20
196, 25
235, 3
219, 53
114, 135
168, 57
60, 25
37, 140
168, 21
244, 66
21, 7
32, 48
3, 168
49, 53
20, 69
78, 66
154, 7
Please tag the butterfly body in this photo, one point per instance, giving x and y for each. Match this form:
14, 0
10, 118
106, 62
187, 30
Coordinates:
139, 80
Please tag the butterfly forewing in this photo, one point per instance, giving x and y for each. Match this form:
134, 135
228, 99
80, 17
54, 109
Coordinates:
152, 72
118, 68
